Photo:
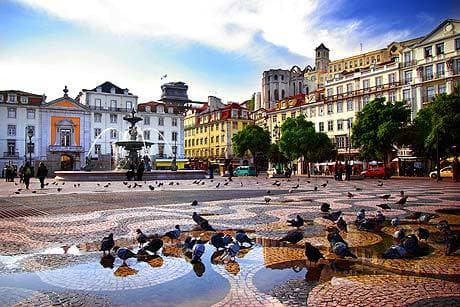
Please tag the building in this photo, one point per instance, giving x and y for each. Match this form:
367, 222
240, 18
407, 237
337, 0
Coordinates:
209, 129
19, 114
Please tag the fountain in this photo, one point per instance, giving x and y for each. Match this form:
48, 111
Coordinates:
133, 145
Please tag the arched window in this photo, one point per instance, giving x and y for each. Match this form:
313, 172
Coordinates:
293, 88
282, 94
300, 87
275, 93
276, 77
306, 90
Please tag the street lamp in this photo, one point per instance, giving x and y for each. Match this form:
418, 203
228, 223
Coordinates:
30, 134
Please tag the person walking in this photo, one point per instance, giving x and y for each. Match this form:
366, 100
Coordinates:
21, 174
230, 171
42, 172
211, 170
140, 170
27, 170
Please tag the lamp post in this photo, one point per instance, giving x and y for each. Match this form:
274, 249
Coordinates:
30, 134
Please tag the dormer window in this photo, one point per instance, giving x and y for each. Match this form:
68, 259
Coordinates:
129, 105
160, 109
170, 110
126, 91
12, 98
148, 109
24, 99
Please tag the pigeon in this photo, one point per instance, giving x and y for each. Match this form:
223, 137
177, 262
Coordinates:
278, 183
360, 216
129, 186
17, 192
293, 236
123, 253
205, 226
325, 207
275, 183
423, 233
297, 222
334, 216
34, 192
443, 226
203, 183
74, 185
315, 188
358, 189
402, 200
218, 185
394, 252
194, 203
47, 183
125, 182
197, 218
342, 250
268, 192
241, 237
241, 184
425, 218
401, 193
410, 244
350, 195
296, 186
231, 251
380, 184
217, 240
399, 235
324, 185
384, 206
452, 244
107, 243
395, 222
414, 215
226, 183
368, 225
141, 237
385, 196
267, 199
151, 187
107, 185
197, 251
342, 225
98, 184
153, 246
313, 254
334, 236
171, 183
379, 217
189, 243
174, 234
59, 189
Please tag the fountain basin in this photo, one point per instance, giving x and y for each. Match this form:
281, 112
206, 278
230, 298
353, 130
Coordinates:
121, 175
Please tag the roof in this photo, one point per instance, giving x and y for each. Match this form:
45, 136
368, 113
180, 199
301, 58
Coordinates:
106, 88
321, 46
22, 93
442, 24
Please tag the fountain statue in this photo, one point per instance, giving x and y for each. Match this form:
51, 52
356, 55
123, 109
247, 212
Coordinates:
133, 145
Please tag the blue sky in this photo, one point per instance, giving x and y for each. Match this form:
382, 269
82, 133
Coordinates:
217, 47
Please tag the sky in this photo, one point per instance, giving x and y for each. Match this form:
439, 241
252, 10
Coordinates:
217, 47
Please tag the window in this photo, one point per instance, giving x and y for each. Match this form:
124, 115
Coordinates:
428, 72
161, 136
65, 137
330, 108
174, 122
24, 99
407, 76
378, 57
97, 132
428, 51
321, 127
161, 150
441, 88
457, 43
392, 96
430, 93
97, 149
378, 81
283, 94
98, 103
1, 97
161, 121
321, 111
11, 147
11, 98
129, 105
113, 134
391, 79
406, 95
439, 48
282, 78
349, 105
365, 100
235, 112
440, 70
330, 125
407, 58
30, 114
170, 110
148, 109
339, 90
113, 104
339, 125
146, 134
97, 117
113, 118
276, 77
147, 120
11, 130
366, 84
235, 125
329, 92
339, 106
349, 88
283, 117
11, 112
174, 136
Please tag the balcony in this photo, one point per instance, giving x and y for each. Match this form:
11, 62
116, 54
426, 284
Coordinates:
427, 77
409, 63
59, 148
11, 155
407, 81
440, 75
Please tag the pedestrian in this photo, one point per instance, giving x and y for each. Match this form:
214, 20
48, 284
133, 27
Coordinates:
42, 172
140, 170
294, 169
21, 175
455, 169
336, 170
27, 170
230, 171
211, 170
340, 171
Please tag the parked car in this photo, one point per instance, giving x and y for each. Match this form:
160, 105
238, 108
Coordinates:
244, 171
445, 172
377, 171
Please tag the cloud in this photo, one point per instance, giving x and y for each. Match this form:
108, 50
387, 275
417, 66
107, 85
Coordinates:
297, 25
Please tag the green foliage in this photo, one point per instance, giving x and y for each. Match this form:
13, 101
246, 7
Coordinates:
275, 155
299, 138
253, 139
378, 127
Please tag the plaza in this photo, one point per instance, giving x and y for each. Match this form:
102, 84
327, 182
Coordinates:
50, 239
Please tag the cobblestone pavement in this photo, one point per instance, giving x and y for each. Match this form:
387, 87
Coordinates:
54, 235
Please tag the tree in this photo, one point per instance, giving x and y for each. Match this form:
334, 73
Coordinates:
299, 139
253, 139
378, 128
276, 156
